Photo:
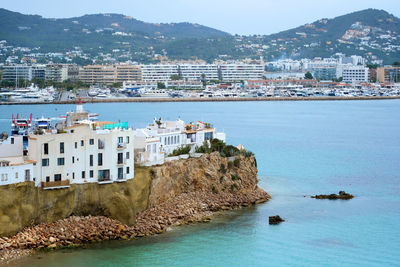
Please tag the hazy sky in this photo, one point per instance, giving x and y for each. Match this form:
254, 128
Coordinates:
233, 16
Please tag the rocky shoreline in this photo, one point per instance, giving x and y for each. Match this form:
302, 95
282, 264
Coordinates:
78, 230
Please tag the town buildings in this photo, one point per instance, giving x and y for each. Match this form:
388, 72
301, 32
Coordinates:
109, 74
388, 74
158, 140
14, 166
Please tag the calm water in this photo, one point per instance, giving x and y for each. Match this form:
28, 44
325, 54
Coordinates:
302, 148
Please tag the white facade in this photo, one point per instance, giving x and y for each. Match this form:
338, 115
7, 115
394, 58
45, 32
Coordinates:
82, 153
14, 167
241, 72
353, 73
158, 72
161, 138
195, 72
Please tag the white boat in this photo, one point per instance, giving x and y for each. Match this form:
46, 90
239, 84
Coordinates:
155, 93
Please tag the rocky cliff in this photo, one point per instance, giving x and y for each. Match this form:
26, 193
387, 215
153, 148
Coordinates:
207, 184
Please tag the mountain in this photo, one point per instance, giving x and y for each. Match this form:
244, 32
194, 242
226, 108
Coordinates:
367, 31
374, 34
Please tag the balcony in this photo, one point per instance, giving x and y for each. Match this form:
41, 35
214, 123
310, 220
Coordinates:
55, 184
121, 146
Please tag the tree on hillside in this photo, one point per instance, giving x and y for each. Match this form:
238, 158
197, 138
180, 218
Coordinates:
308, 76
397, 63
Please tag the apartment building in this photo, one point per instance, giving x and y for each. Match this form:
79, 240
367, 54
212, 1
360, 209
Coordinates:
352, 74
109, 74
14, 166
197, 72
388, 74
158, 72
240, 72
154, 143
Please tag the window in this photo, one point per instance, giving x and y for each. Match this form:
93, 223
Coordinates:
120, 173
100, 159
91, 174
91, 141
104, 175
61, 147
154, 148
82, 143
120, 158
101, 143
127, 170
57, 177
45, 162
76, 145
127, 139
46, 148
91, 160
208, 136
73, 159
72, 131
60, 161
73, 175
47, 179
16, 175
127, 155
83, 174
12, 140
120, 140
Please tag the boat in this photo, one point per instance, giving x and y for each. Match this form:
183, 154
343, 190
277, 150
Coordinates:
20, 126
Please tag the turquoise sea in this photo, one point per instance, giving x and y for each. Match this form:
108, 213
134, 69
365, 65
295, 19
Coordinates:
302, 148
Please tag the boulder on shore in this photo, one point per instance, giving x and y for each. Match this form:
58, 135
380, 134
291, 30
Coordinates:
275, 219
341, 195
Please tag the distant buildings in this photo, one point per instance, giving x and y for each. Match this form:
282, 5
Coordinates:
50, 72
109, 74
354, 74
388, 74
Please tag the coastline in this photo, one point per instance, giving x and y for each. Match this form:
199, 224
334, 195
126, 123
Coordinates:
241, 99
76, 231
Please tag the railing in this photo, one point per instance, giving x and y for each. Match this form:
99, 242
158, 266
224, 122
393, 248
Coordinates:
55, 184
121, 145
104, 179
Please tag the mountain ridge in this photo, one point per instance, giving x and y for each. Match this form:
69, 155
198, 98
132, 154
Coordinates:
371, 32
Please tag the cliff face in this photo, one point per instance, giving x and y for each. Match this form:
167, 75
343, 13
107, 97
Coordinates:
209, 173
24, 205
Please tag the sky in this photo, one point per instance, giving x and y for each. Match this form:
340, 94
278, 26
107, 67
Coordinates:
233, 16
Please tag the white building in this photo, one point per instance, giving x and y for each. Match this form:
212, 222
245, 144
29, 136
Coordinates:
353, 74
196, 72
158, 72
82, 151
240, 72
158, 140
14, 167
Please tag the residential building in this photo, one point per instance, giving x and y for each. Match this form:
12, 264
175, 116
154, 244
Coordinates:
82, 151
240, 72
388, 74
197, 72
324, 73
109, 74
154, 143
17, 72
353, 74
56, 72
158, 72
14, 166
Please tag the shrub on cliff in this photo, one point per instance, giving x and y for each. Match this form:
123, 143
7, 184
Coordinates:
225, 150
180, 151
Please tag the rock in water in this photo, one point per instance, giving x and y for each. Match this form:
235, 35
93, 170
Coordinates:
275, 219
341, 195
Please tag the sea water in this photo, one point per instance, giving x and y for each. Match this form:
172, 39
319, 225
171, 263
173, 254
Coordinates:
302, 149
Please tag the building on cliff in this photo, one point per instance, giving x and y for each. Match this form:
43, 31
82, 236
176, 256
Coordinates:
14, 166
158, 140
